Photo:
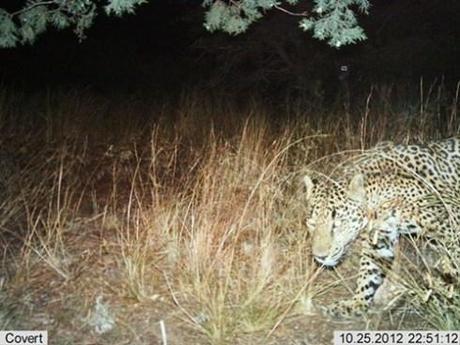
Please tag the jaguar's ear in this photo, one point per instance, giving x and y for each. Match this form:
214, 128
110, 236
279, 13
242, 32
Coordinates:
309, 186
356, 189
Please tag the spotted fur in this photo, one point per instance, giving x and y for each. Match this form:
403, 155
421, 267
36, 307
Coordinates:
389, 191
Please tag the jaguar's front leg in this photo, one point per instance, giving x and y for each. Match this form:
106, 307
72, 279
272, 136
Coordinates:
377, 257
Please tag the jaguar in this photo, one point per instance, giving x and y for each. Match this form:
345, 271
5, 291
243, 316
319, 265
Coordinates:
374, 199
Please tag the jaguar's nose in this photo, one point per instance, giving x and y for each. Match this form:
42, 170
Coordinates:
320, 258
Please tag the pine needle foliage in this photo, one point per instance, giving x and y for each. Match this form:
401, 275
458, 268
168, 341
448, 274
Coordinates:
329, 20
36, 16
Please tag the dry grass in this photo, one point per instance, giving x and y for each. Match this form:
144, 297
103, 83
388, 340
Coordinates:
127, 223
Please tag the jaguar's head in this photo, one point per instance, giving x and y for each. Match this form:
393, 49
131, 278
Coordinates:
336, 215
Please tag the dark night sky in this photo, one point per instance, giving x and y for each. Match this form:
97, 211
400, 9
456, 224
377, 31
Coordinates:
164, 45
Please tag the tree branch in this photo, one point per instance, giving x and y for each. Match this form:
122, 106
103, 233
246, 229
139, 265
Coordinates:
296, 14
25, 9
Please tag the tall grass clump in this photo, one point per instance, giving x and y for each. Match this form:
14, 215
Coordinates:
225, 252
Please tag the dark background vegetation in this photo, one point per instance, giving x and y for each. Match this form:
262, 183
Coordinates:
164, 48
